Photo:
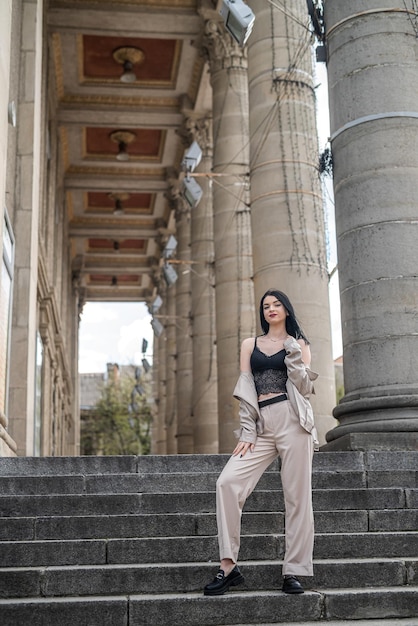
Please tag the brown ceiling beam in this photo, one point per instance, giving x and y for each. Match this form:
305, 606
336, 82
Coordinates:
110, 268
110, 232
176, 23
90, 115
106, 181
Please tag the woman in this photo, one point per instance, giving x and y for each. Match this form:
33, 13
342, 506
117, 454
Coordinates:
276, 419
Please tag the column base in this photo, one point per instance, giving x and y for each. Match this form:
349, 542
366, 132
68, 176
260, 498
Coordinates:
376, 422
373, 441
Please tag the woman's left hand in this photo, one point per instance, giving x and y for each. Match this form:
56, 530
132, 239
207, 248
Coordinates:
242, 447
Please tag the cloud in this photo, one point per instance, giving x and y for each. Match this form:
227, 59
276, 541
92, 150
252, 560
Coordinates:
92, 361
130, 339
97, 312
112, 332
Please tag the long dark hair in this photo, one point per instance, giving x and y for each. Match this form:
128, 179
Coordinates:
292, 325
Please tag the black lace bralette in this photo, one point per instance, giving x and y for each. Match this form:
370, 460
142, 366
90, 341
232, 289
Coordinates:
269, 371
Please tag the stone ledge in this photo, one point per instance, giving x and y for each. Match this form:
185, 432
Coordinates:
373, 441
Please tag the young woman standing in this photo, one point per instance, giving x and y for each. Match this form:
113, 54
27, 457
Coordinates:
276, 419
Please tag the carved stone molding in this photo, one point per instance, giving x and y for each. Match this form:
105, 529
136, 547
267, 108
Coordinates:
174, 196
220, 49
198, 129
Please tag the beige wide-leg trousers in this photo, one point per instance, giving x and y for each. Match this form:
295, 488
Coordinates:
283, 436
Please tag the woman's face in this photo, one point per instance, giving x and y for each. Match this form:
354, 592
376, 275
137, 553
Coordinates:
273, 310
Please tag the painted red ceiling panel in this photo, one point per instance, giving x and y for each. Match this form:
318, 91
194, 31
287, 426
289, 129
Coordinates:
147, 142
159, 65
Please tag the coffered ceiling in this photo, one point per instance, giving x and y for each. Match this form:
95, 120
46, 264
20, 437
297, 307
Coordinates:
119, 140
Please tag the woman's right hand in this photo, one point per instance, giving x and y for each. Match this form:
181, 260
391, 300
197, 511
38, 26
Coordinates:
242, 447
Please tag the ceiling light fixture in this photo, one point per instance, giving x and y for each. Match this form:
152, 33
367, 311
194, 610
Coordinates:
123, 138
118, 199
128, 56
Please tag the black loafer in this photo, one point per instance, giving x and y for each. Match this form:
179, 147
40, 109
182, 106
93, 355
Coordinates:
222, 583
292, 585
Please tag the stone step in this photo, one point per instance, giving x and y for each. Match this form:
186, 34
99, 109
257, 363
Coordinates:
199, 502
196, 549
193, 609
163, 483
329, 461
189, 577
180, 524
392, 621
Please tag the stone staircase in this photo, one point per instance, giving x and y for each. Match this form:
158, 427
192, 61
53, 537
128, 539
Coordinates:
129, 541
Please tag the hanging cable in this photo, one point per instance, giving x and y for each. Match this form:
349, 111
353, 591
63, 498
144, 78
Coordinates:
268, 120
289, 15
414, 20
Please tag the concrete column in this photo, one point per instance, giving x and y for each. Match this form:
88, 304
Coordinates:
287, 213
373, 94
155, 431
160, 349
161, 443
205, 377
25, 225
7, 445
171, 355
184, 361
74, 323
235, 315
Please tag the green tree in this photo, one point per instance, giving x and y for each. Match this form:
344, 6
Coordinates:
120, 423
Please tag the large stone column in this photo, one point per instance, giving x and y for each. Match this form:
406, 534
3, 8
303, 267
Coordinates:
171, 353
156, 436
7, 445
184, 361
373, 93
287, 213
25, 219
159, 434
205, 375
235, 315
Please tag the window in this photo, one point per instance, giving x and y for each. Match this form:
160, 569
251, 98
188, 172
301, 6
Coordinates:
38, 396
6, 292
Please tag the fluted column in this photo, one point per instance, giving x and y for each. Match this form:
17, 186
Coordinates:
7, 445
160, 345
235, 315
205, 376
373, 94
171, 354
155, 427
184, 361
25, 220
286, 204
